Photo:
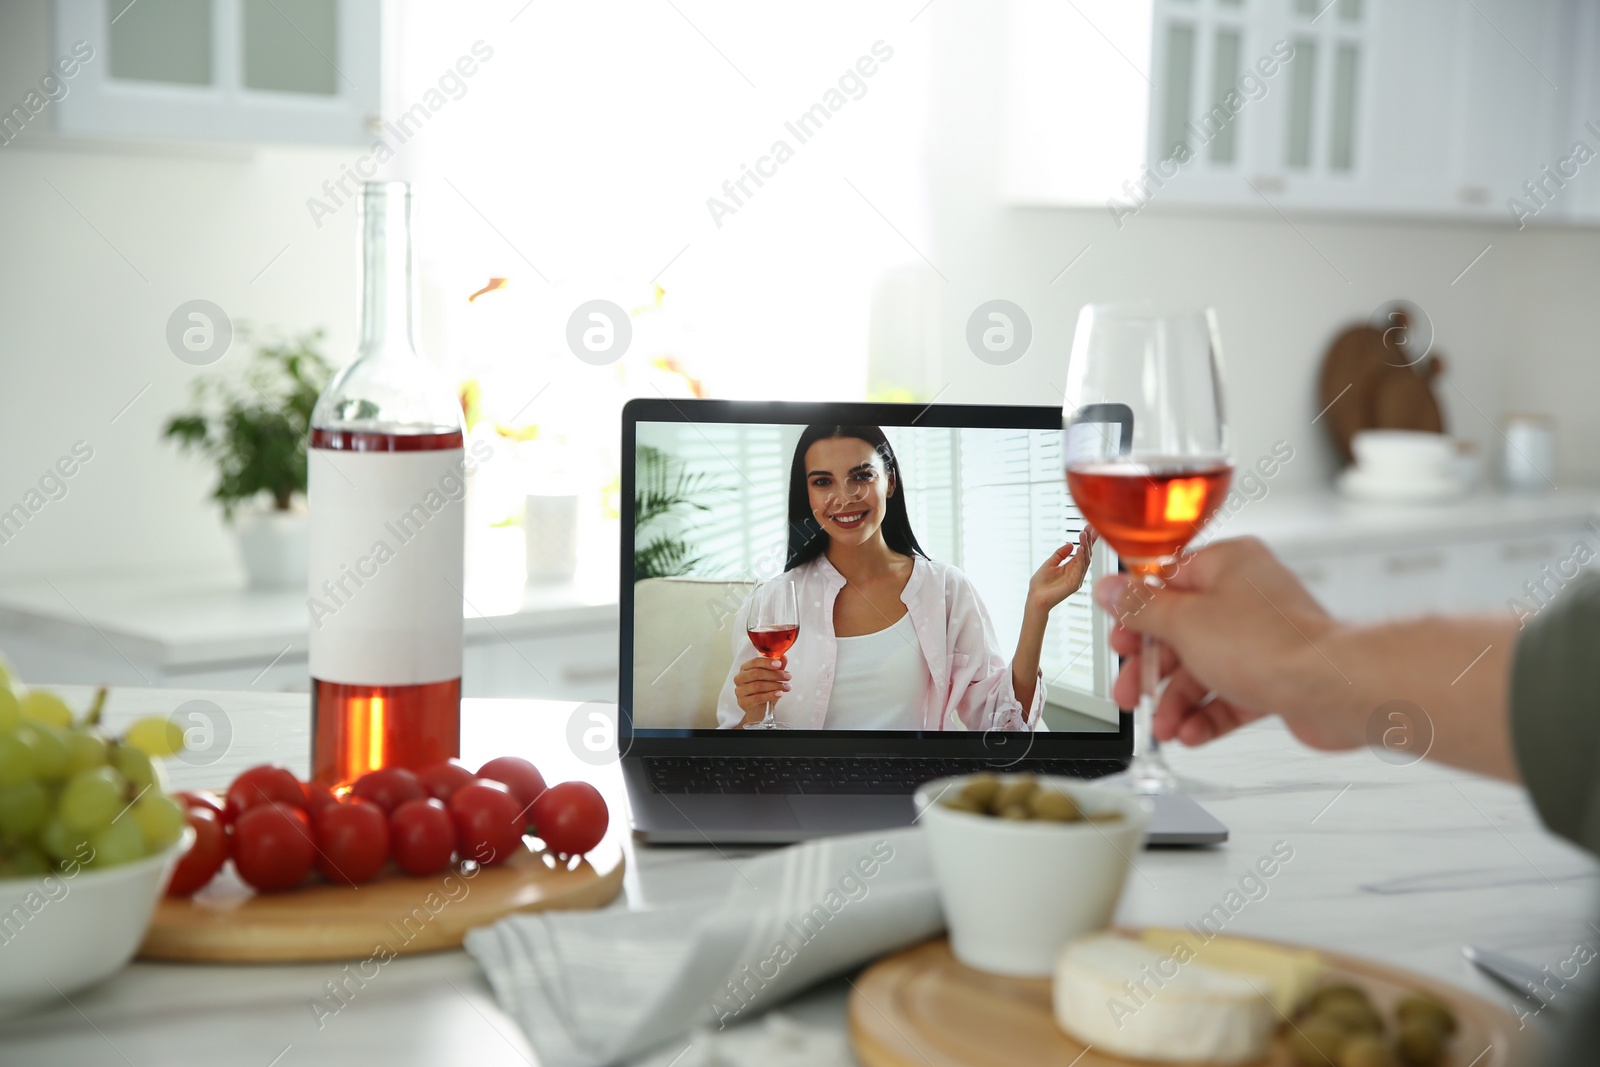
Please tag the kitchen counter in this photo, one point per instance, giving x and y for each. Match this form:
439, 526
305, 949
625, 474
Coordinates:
209, 630
1402, 864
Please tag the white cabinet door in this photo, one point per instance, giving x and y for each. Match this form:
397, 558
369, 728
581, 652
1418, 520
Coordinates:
1509, 112
254, 71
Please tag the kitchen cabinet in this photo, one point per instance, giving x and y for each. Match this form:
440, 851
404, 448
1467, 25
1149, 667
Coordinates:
1367, 562
1418, 107
254, 71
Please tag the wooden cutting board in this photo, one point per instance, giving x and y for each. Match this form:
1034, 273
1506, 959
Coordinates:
227, 922
920, 1008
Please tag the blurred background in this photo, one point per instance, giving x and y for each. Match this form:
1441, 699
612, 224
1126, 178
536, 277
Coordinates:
820, 201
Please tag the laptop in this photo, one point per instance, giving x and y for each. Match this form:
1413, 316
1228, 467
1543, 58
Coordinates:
720, 498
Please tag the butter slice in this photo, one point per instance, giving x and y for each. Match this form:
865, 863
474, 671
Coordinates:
1288, 974
1125, 997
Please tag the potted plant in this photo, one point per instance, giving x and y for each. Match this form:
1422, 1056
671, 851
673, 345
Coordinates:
665, 490
255, 429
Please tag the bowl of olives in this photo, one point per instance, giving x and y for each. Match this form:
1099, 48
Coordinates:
1025, 863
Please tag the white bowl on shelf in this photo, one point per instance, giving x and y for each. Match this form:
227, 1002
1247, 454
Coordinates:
1398, 454
60, 933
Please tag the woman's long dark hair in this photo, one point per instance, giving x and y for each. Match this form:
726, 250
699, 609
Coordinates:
807, 540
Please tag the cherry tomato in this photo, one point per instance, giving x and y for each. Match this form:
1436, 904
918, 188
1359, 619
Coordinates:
266, 784
488, 822
272, 847
571, 817
318, 796
518, 775
352, 840
201, 798
205, 857
388, 787
422, 836
444, 778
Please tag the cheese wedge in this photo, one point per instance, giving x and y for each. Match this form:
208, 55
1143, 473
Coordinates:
1289, 974
1126, 997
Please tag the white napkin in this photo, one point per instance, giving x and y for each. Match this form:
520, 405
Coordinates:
593, 988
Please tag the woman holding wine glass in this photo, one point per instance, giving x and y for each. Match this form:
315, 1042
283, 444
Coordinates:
863, 631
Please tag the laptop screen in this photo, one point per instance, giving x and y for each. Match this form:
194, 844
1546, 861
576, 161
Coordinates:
866, 568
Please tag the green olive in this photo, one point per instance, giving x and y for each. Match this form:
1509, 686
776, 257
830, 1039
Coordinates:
1365, 1050
961, 803
1420, 1044
1315, 1042
1341, 991
1054, 807
1420, 1008
1355, 1016
980, 790
1017, 791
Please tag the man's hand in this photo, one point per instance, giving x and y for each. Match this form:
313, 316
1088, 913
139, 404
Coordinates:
1239, 637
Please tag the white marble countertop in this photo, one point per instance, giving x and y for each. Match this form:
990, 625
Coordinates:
1402, 864
166, 621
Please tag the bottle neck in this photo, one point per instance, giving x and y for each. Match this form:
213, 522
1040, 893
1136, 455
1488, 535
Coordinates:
386, 275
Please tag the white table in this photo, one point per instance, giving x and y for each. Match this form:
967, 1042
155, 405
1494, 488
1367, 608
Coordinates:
1402, 864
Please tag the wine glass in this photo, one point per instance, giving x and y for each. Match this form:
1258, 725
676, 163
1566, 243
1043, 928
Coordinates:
773, 624
1146, 459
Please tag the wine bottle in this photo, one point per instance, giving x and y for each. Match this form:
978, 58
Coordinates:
386, 488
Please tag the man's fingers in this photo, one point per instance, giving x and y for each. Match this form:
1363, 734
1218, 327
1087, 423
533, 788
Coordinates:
1125, 690
1212, 721
1183, 695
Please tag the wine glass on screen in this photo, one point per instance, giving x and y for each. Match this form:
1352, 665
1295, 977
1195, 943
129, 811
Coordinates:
1146, 458
773, 624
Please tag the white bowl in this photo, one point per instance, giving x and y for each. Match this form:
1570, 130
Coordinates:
62, 932
1015, 892
1404, 452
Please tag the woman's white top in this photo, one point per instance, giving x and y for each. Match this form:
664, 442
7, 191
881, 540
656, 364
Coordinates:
969, 679
880, 681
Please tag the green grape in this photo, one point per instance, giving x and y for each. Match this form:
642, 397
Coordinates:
23, 808
86, 750
137, 768
116, 844
27, 861
49, 747
154, 736
10, 709
16, 760
91, 799
62, 843
41, 705
160, 819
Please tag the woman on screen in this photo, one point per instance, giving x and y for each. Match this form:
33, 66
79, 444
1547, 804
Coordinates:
889, 639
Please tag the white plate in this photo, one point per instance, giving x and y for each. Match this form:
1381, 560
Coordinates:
1359, 485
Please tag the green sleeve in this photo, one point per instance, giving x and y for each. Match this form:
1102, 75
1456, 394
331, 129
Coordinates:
1555, 712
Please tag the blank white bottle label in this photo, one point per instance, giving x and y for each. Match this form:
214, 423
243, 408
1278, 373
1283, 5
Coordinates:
387, 536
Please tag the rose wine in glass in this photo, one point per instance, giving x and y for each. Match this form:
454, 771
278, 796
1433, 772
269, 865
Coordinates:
1146, 460
772, 625
388, 525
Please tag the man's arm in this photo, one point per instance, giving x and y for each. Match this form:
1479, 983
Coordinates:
1243, 639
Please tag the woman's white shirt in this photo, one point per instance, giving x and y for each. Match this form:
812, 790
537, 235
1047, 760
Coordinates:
881, 681
969, 680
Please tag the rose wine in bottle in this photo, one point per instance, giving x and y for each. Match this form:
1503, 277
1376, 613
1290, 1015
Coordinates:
386, 485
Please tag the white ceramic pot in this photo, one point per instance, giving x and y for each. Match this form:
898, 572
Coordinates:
1015, 892
62, 932
551, 526
275, 547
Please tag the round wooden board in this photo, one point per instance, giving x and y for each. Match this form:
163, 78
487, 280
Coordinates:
920, 1008
228, 923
